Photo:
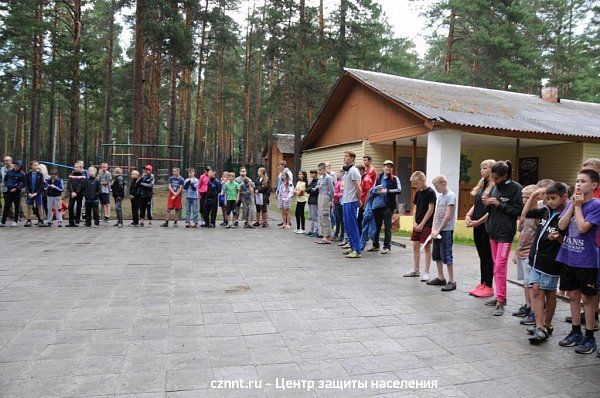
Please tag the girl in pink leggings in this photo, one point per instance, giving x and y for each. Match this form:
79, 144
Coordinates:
504, 205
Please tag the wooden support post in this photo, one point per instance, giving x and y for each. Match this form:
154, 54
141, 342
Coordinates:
395, 156
413, 156
518, 155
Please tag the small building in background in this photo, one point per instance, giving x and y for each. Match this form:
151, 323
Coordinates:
450, 129
282, 148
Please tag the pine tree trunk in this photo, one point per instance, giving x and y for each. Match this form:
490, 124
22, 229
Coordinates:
172, 139
342, 38
52, 116
36, 82
74, 95
247, 93
138, 75
450, 42
198, 117
108, 82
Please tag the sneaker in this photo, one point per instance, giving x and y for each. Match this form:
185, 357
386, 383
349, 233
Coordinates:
256, 224
529, 319
228, 226
223, 224
27, 224
106, 219
60, 225
573, 339
424, 277
265, 225
299, 231
175, 224
116, 225
280, 224
491, 302
485, 291
342, 243
385, 250
476, 289
499, 311
96, 225
347, 251
353, 254
2, 225
318, 236
523, 311
346, 246
587, 346
120, 225
549, 329
373, 249
436, 282
165, 224
539, 336
14, 224
449, 287
411, 273
237, 224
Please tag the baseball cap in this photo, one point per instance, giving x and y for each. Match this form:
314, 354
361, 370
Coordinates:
148, 167
388, 162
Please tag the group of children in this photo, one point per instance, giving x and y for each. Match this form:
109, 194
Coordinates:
558, 244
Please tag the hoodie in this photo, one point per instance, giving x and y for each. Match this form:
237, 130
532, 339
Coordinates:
146, 183
118, 187
58, 187
91, 188
14, 179
502, 222
313, 192
75, 180
135, 188
542, 255
214, 188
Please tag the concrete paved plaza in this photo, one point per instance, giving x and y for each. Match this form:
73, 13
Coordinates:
158, 312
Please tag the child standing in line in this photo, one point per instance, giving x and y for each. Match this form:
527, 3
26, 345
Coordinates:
34, 184
581, 260
191, 198
247, 198
526, 228
338, 209
14, 180
232, 190
325, 187
76, 178
135, 197
222, 200
545, 270
55, 188
175, 186
444, 220
313, 202
284, 200
262, 189
146, 192
91, 189
212, 199
105, 182
504, 205
118, 190
423, 208
301, 199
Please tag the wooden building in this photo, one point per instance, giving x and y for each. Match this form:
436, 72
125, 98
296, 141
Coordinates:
282, 149
427, 126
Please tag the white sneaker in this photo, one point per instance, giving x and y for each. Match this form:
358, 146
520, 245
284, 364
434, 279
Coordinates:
14, 224
424, 277
411, 273
299, 231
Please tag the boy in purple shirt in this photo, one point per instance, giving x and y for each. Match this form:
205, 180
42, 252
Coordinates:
579, 255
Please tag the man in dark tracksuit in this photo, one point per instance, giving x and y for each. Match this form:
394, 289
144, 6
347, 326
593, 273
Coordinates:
146, 191
212, 201
14, 181
390, 186
90, 188
76, 178
134, 195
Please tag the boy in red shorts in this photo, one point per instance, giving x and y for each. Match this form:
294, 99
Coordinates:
174, 199
423, 209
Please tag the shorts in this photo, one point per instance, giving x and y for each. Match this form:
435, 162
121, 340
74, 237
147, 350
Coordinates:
442, 248
523, 269
38, 200
420, 236
547, 282
584, 279
104, 198
231, 208
261, 209
174, 203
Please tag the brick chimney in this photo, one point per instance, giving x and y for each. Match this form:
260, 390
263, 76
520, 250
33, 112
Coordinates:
550, 94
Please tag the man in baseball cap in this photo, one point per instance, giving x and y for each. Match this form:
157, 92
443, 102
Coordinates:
148, 167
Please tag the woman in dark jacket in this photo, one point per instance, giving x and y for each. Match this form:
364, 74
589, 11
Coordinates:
262, 190
504, 205
476, 218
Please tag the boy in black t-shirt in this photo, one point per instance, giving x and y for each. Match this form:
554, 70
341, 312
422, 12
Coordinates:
423, 209
544, 275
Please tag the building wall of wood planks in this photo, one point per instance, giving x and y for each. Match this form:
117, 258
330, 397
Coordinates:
361, 114
559, 162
